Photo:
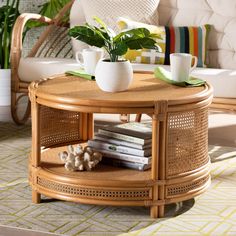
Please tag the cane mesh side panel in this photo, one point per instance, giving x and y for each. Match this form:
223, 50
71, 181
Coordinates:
184, 188
83, 192
58, 126
187, 142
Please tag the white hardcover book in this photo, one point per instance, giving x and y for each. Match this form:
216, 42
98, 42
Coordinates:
117, 148
125, 157
135, 132
121, 142
124, 137
126, 164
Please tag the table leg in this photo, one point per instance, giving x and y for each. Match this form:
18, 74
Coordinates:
162, 153
90, 126
155, 157
86, 126
159, 122
138, 118
36, 146
36, 197
162, 163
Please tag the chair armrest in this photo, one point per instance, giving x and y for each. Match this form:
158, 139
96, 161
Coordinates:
17, 35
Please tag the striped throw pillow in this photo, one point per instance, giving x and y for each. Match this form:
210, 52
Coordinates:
191, 40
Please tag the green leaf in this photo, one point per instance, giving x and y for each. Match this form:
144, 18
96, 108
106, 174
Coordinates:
140, 43
132, 34
100, 22
104, 27
157, 36
101, 32
8, 14
87, 35
121, 49
50, 9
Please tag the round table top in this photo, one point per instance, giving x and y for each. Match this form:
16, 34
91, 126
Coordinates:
143, 92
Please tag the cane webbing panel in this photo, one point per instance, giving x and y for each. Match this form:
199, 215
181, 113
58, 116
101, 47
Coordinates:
58, 126
78, 191
187, 141
183, 188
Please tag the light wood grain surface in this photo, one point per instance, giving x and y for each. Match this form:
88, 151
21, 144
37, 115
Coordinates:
144, 89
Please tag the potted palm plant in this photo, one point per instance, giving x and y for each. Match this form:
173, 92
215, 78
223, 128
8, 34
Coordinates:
114, 73
8, 14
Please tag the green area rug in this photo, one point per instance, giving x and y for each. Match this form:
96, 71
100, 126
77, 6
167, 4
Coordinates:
213, 213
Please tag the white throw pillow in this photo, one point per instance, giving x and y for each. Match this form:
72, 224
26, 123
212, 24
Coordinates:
109, 11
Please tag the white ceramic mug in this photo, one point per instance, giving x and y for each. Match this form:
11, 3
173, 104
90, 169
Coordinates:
180, 65
89, 58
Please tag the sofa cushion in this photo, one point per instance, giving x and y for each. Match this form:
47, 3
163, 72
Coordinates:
31, 68
222, 80
191, 40
110, 10
220, 14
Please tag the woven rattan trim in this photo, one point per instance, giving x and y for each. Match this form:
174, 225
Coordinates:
179, 189
79, 191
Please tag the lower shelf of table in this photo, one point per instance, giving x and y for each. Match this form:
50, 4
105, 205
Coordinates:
108, 185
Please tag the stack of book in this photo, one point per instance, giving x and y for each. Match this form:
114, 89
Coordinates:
125, 145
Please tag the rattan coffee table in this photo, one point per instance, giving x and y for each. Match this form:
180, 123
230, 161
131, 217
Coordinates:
62, 114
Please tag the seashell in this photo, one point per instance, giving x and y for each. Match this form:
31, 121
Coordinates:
71, 157
80, 167
96, 162
97, 156
78, 163
79, 158
69, 166
71, 149
88, 167
63, 156
92, 163
79, 149
79, 152
87, 156
89, 150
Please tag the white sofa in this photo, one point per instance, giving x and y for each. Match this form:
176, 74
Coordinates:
221, 58
221, 15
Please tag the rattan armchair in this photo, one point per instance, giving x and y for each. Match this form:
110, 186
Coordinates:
53, 42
